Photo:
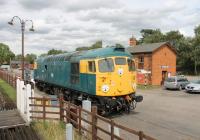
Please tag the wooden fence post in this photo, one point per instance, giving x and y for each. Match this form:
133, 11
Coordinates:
79, 119
140, 135
68, 112
112, 129
44, 109
94, 122
61, 107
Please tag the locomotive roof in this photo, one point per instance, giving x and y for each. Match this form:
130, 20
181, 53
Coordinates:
89, 54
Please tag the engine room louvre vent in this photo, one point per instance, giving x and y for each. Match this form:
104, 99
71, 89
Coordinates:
120, 49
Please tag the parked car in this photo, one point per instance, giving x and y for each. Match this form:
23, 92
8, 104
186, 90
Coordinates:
176, 82
193, 87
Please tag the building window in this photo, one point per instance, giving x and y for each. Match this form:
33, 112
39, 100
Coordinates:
75, 73
141, 62
91, 66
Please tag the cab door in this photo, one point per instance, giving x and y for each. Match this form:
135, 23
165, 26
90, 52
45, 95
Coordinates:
75, 75
91, 77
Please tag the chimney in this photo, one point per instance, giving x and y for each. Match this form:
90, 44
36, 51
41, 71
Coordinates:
133, 41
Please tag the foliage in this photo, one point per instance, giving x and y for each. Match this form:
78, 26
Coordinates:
6, 89
147, 87
187, 48
151, 36
52, 130
96, 45
29, 57
5, 54
54, 52
49, 130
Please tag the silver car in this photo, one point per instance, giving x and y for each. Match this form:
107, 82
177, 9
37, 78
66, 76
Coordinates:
193, 87
176, 82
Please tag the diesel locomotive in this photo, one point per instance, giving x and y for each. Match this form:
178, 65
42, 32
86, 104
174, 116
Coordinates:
105, 76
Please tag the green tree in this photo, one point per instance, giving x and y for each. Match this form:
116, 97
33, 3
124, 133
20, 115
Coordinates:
42, 55
30, 58
5, 54
196, 49
82, 48
18, 57
96, 45
54, 52
151, 36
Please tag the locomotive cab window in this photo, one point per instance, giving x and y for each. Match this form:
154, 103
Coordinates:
106, 65
75, 73
91, 66
120, 61
131, 65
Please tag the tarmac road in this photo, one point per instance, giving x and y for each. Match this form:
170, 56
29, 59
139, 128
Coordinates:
165, 115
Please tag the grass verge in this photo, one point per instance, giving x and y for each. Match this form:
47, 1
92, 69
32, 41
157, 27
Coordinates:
7, 90
52, 130
147, 87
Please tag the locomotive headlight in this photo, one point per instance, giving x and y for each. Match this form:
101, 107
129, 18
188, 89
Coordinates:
134, 85
105, 88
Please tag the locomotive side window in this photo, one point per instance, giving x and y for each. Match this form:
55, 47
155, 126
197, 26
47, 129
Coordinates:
91, 66
45, 66
106, 65
131, 65
120, 61
75, 73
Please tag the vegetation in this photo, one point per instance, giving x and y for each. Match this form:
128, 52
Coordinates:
53, 52
52, 130
29, 57
6, 89
147, 87
188, 49
96, 45
5, 54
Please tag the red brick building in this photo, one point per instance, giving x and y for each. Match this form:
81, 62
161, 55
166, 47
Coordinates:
156, 59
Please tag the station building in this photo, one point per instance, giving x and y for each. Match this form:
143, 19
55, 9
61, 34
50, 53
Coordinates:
154, 62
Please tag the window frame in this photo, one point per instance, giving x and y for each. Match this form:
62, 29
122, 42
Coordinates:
93, 68
133, 68
125, 62
113, 65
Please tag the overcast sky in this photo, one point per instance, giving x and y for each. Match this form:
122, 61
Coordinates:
67, 24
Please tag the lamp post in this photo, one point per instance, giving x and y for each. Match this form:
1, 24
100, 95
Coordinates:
22, 22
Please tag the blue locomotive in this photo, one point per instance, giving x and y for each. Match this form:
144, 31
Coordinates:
106, 76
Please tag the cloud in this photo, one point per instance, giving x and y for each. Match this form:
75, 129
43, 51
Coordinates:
67, 24
36, 4
77, 5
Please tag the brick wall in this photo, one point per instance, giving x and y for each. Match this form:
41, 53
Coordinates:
164, 59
